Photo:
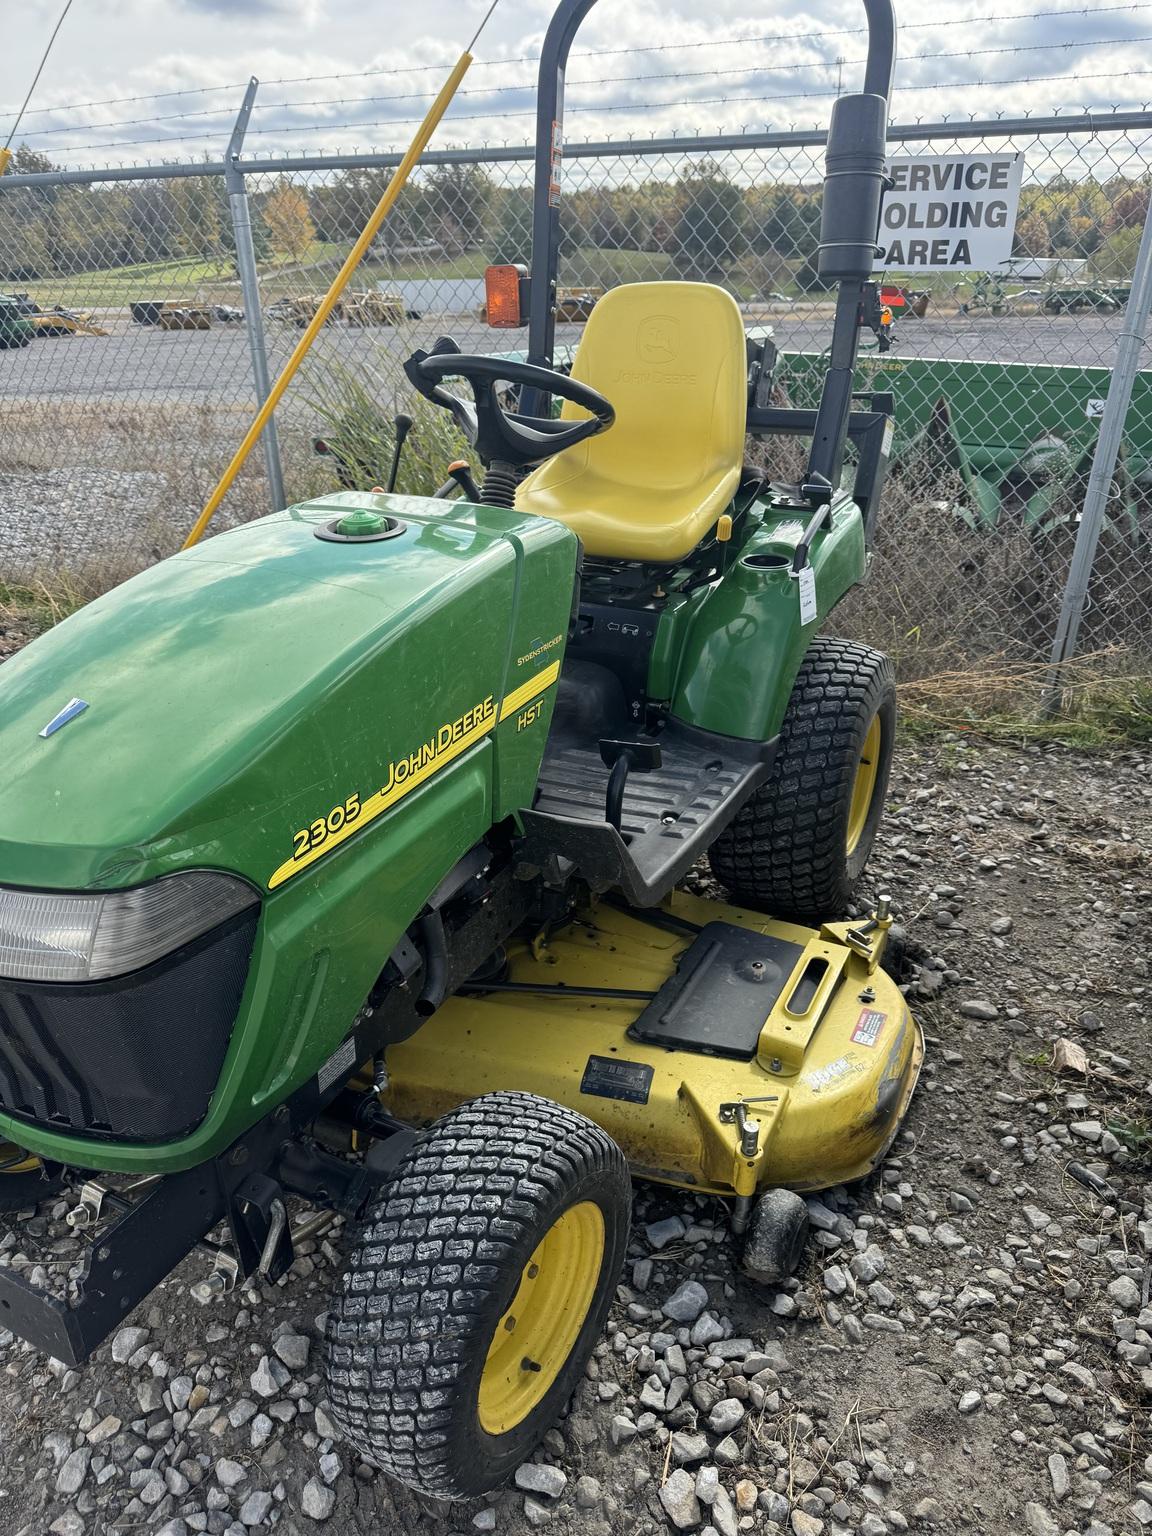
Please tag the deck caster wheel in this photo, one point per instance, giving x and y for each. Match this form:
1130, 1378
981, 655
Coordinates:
23, 1182
776, 1237
476, 1288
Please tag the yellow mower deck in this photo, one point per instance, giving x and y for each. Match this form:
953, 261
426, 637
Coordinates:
825, 1092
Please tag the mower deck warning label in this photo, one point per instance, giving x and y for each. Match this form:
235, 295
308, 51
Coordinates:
608, 1078
868, 1026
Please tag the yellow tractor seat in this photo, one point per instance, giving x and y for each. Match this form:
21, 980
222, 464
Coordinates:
671, 358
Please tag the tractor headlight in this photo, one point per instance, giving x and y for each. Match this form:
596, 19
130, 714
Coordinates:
51, 936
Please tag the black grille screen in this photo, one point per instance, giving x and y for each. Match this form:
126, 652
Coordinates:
135, 1058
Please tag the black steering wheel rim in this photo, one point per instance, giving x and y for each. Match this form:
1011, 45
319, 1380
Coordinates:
497, 434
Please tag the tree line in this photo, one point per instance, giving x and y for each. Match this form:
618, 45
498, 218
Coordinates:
702, 221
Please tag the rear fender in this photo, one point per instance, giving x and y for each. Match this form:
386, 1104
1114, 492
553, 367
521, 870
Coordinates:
740, 641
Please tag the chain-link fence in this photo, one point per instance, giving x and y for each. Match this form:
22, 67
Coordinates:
126, 405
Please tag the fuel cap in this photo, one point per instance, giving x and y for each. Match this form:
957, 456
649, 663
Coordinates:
362, 526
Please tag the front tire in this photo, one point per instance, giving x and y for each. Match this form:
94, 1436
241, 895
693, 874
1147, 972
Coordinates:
23, 1181
800, 844
475, 1291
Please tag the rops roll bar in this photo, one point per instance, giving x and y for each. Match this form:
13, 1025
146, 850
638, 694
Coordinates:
850, 217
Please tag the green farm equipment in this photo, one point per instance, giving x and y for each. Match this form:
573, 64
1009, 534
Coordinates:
1016, 436
340, 855
16, 330
1083, 301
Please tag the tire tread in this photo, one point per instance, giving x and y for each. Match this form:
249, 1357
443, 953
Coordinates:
435, 1249
785, 849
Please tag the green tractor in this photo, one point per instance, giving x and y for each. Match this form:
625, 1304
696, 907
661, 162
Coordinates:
340, 860
16, 330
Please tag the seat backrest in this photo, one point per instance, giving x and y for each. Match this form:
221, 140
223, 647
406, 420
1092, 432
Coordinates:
671, 358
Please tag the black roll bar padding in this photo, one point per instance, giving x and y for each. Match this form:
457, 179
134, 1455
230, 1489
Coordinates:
853, 184
562, 29
849, 226
881, 60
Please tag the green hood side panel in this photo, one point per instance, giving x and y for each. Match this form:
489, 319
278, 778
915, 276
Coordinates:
242, 692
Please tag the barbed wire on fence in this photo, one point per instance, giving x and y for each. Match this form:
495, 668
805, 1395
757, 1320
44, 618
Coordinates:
694, 45
172, 134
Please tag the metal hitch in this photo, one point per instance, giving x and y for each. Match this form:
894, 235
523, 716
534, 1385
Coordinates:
87, 1211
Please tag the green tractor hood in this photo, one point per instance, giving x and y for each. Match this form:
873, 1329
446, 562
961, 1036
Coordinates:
247, 697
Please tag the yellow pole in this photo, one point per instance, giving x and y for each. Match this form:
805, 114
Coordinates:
339, 283
5, 157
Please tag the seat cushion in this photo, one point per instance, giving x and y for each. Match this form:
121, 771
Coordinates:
671, 358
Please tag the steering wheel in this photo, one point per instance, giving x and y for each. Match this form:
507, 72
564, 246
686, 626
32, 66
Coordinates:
500, 436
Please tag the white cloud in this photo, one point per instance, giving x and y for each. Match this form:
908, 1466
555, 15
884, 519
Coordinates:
640, 67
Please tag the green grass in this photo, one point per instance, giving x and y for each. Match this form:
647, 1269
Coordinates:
191, 277
1135, 1133
1040, 1059
37, 607
588, 267
605, 269
121, 285
1097, 712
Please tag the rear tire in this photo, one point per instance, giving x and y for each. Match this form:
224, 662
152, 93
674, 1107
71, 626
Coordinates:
475, 1291
800, 844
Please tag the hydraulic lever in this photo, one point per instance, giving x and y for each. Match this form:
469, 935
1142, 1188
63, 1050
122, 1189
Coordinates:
403, 427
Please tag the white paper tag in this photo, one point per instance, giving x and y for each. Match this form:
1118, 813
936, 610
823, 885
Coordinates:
806, 585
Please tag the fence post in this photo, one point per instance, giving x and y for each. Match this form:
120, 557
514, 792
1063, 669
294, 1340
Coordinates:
1133, 335
250, 286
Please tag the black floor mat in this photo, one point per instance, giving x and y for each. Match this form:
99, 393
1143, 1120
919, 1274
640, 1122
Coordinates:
669, 816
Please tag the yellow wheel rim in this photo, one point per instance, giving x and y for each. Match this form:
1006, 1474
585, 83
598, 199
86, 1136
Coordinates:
536, 1335
864, 785
14, 1159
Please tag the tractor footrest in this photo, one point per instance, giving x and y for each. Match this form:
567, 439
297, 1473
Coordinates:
725, 985
669, 814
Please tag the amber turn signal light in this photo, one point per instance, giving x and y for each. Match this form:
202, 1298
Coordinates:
502, 296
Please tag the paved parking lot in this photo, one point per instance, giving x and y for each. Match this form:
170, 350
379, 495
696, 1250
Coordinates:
149, 366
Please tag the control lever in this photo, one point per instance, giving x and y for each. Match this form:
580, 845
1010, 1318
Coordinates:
622, 757
403, 426
461, 472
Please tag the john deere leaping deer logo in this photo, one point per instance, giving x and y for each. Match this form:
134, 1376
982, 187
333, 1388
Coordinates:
658, 339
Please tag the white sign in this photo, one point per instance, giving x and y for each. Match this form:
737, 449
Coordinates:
949, 212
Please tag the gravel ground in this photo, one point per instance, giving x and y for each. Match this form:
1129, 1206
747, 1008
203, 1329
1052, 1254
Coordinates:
967, 1347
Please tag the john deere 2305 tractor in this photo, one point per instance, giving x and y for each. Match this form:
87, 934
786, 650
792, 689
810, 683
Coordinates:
340, 859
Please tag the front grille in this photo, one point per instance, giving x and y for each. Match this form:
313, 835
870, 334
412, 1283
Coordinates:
136, 1058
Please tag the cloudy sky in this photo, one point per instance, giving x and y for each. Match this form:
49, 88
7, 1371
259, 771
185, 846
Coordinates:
344, 74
